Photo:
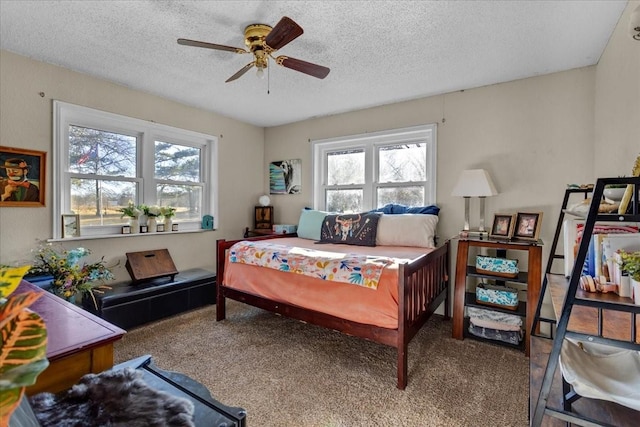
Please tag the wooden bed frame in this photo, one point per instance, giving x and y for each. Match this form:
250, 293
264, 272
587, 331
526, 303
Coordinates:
423, 285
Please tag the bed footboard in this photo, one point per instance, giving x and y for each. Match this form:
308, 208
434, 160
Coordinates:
423, 286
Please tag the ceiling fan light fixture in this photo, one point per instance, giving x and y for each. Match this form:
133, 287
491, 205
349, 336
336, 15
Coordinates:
262, 41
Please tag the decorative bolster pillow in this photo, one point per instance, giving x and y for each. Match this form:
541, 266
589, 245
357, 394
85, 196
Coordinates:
417, 230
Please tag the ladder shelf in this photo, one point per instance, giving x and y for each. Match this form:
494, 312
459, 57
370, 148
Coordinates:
576, 297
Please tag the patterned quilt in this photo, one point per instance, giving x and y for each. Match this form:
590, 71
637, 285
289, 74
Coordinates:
356, 269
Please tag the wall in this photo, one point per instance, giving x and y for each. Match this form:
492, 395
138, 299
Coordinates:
26, 122
617, 97
534, 136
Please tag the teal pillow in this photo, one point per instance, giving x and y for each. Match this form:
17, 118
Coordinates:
310, 224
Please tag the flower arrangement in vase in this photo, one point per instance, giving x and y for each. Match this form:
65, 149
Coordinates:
152, 213
168, 212
70, 276
133, 212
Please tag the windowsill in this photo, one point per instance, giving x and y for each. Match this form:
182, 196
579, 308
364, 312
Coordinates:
115, 236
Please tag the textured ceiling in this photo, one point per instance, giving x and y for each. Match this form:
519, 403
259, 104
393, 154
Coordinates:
379, 52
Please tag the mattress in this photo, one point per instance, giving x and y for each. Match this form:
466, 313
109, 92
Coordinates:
377, 307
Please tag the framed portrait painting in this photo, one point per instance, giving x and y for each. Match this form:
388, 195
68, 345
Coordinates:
503, 225
22, 177
528, 225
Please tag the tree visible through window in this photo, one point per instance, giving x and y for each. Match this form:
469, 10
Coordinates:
103, 162
363, 172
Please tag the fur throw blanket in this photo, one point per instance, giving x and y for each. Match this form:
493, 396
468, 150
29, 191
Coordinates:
114, 399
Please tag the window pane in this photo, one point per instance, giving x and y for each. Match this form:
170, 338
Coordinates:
408, 196
177, 162
344, 201
402, 163
187, 199
93, 151
345, 167
98, 202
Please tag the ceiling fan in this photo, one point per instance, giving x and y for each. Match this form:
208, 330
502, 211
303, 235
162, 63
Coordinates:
262, 41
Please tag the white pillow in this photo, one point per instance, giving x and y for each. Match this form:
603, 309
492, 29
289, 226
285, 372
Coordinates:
407, 230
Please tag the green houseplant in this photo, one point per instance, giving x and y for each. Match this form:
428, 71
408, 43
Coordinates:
23, 347
630, 264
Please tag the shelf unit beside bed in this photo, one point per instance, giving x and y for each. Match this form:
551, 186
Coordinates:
530, 278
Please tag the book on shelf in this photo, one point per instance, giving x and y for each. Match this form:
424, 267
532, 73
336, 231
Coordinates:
572, 236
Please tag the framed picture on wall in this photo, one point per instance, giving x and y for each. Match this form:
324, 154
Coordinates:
503, 225
285, 177
22, 177
528, 225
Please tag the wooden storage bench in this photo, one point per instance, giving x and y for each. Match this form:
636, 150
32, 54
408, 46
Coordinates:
132, 304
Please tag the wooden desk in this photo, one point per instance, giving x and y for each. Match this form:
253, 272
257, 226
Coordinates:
78, 342
583, 319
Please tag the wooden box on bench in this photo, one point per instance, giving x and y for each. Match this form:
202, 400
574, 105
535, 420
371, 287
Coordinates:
147, 265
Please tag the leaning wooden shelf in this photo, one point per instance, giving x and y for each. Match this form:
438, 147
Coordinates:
574, 301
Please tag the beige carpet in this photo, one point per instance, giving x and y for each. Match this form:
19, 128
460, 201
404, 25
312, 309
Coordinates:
287, 373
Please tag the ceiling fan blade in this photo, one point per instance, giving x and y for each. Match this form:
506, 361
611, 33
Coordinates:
303, 66
241, 72
187, 42
283, 33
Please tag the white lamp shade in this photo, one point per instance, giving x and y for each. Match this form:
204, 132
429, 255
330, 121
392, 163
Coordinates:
264, 200
474, 183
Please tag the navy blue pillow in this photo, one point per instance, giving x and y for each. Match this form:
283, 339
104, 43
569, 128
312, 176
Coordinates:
393, 208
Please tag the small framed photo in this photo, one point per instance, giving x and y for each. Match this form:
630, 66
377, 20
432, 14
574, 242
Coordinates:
126, 229
144, 229
528, 225
70, 226
160, 228
174, 227
503, 225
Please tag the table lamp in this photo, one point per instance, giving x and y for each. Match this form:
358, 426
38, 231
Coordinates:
474, 183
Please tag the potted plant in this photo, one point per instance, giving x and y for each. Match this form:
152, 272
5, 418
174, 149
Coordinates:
152, 213
630, 265
132, 212
168, 212
23, 347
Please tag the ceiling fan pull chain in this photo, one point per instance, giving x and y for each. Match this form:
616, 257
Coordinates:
268, 80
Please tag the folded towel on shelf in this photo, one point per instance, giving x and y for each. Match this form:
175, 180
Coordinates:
511, 337
494, 319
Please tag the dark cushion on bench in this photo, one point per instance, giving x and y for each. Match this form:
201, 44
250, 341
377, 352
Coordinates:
127, 304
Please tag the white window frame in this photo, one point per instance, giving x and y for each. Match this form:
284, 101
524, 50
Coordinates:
370, 142
65, 115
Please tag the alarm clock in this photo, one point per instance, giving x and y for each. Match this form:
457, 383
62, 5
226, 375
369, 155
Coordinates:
207, 222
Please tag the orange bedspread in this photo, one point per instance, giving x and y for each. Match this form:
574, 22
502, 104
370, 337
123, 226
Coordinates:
369, 306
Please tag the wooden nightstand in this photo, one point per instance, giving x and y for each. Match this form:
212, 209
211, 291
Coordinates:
532, 279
